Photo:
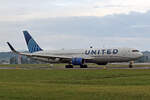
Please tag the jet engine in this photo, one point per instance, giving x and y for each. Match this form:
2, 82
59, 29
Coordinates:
77, 61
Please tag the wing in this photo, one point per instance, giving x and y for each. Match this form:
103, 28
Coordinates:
41, 55
44, 56
34, 55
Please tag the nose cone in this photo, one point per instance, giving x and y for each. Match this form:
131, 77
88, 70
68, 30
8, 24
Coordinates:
140, 54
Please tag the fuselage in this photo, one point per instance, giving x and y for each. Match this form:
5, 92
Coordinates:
99, 56
93, 55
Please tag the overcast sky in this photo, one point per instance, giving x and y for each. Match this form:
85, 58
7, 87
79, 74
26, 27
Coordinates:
57, 24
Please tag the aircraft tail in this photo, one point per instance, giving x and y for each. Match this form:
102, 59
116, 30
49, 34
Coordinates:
31, 43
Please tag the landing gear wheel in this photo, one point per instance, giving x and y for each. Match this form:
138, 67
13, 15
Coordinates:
83, 66
131, 64
68, 66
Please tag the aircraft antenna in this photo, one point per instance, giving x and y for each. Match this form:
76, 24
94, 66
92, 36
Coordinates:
91, 46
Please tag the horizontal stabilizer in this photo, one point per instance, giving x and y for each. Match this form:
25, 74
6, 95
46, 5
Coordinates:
11, 47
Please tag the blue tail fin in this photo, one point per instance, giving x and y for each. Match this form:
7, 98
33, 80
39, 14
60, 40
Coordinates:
32, 45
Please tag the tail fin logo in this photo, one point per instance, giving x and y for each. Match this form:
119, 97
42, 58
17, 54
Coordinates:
32, 45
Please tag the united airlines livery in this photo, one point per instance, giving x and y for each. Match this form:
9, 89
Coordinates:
100, 56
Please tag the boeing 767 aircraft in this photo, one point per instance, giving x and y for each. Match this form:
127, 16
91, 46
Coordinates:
100, 56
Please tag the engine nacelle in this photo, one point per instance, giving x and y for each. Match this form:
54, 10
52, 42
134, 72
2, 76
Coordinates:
77, 61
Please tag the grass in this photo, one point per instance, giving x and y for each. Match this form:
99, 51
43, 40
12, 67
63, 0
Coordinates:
22, 65
63, 65
76, 84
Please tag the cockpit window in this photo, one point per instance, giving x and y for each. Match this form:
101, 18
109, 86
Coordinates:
135, 51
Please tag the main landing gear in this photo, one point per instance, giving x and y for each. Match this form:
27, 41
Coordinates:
83, 66
71, 66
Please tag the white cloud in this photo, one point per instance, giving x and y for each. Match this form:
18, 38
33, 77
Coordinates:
131, 30
34, 9
140, 26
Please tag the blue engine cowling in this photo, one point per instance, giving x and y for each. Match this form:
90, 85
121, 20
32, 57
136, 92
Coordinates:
77, 61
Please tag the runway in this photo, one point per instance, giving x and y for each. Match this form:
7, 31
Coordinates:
129, 68
62, 68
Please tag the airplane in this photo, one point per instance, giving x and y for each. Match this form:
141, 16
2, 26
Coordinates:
100, 56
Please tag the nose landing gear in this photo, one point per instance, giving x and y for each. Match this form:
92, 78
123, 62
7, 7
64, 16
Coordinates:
131, 64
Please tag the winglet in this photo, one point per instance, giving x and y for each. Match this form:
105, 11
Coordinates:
11, 47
